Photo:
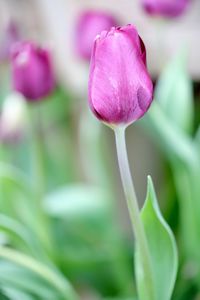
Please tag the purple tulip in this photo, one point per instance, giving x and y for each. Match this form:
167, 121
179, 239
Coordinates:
32, 73
120, 88
10, 37
90, 24
165, 8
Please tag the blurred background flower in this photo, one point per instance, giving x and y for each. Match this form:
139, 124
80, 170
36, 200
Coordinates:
32, 71
89, 25
168, 8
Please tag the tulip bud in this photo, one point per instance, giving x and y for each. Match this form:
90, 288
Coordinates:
13, 118
120, 88
90, 24
165, 8
11, 36
32, 73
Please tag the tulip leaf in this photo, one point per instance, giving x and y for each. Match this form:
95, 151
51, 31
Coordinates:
174, 93
15, 294
172, 140
51, 277
21, 280
3, 296
162, 249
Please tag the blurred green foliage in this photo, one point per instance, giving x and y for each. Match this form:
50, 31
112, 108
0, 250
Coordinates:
60, 237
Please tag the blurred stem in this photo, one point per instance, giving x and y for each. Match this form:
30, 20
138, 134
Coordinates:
38, 174
37, 156
133, 208
90, 143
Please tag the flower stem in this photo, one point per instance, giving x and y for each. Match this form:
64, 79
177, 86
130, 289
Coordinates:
133, 208
38, 172
37, 155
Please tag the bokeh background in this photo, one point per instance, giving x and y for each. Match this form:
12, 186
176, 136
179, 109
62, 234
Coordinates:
80, 229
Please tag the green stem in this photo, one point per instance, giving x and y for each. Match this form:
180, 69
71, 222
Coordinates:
38, 173
37, 155
133, 208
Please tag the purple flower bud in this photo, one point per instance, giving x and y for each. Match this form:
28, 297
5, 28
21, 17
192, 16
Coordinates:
32, 73
165, 8
120, 88
10, 37
90, 24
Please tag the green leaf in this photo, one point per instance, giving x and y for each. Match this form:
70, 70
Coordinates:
47, 273
21, 280
3, 296
162, 249
20, 235
173, 141
14, 294
174, 93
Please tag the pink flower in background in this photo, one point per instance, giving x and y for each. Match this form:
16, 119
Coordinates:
165, 8
11, 36
120, 88
90, 24
32, 72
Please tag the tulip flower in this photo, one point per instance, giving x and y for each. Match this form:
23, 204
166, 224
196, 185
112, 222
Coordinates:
90, 24
120, 88
165, 8
32, 72
120, 92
